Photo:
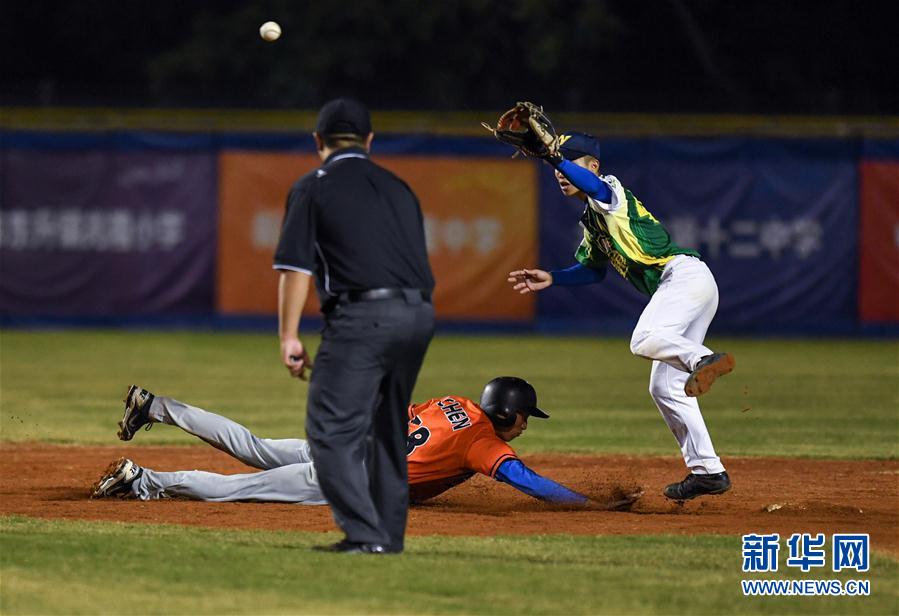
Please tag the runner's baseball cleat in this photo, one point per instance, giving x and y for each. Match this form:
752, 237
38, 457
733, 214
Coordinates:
698, 485
137, 412
117, 479
707, 371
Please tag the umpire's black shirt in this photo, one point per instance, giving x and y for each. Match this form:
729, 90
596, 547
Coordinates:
355, 226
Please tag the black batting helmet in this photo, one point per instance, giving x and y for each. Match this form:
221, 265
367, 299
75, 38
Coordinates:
505, 396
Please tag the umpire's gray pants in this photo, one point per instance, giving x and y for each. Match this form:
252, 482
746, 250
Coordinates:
288, 476
361, 386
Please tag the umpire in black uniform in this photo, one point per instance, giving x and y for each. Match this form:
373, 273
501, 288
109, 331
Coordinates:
358, 230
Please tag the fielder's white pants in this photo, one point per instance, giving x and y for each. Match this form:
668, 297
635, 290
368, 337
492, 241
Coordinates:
670, 332
288, 476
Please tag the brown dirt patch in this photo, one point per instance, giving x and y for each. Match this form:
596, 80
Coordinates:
826, 496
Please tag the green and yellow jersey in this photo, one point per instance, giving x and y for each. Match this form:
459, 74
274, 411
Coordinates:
626, 235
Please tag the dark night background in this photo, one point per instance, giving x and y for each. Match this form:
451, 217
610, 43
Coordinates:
803, 57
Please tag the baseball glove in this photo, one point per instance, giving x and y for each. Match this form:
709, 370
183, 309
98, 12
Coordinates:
527, 129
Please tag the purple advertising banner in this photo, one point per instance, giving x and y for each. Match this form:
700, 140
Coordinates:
124, 224
776, 221
106, 232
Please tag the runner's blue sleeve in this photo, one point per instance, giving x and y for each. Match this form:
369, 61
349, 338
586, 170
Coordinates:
520, 477
577, 274
586, 180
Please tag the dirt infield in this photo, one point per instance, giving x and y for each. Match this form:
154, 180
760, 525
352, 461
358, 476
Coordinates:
825, 496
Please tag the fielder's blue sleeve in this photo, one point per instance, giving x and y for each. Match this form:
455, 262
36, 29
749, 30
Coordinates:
586, 180
520, 477
577, 274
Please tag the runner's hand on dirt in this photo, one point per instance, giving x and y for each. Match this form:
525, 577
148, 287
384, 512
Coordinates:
619, 504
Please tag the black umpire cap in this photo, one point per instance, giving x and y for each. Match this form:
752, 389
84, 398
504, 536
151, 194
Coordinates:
343, 116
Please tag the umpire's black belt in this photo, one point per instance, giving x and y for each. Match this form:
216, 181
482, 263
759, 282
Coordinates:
372, 295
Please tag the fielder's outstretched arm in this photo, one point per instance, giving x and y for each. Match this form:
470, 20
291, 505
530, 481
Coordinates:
585, 180
533, 280
520, 477
577, 274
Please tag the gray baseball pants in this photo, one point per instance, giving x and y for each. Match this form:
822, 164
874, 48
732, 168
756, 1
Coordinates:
288, 475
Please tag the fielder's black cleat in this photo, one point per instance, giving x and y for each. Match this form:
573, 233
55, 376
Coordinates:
698, 485
137, 412
351, 547
707, 370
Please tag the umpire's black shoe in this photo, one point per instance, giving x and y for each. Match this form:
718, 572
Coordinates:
137, 412
698, 485
351, 547
707, 370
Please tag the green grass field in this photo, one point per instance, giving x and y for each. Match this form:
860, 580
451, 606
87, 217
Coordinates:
823, 398
176, 570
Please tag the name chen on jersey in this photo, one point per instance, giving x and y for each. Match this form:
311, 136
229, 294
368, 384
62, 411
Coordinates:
454, 413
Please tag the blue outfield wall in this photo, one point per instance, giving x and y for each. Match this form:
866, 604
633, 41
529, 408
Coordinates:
775, 219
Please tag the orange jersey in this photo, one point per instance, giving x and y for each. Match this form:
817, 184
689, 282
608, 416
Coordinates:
450, 439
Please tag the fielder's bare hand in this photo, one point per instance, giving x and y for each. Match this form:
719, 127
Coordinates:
295, 357
530, 280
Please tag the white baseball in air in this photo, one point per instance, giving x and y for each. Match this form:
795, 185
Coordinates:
270, 31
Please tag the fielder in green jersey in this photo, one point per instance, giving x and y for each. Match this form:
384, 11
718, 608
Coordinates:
628, 237
620, 231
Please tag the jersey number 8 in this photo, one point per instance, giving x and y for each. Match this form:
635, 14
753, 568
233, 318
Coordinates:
417, 438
